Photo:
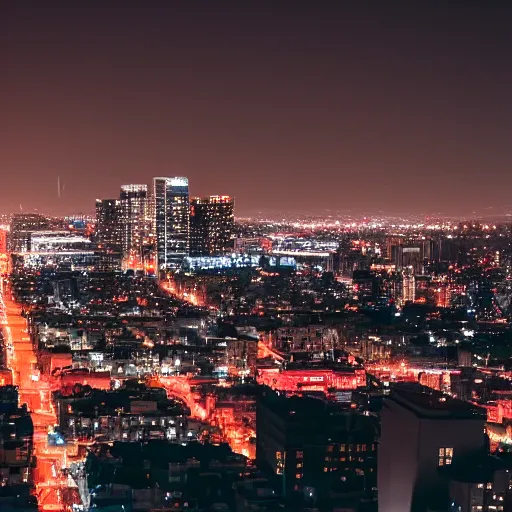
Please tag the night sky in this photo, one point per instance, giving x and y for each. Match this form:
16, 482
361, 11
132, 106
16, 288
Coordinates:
289, 106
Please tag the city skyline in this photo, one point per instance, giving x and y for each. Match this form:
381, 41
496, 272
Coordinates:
303, 110
342, 343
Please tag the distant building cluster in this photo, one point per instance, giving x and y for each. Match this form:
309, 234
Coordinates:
271, 366
150, 229
161, 227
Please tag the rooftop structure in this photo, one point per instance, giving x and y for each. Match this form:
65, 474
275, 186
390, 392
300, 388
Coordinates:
425, 402
422, 432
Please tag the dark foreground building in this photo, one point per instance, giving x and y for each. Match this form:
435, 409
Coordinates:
16, 440
315, 448
424, 433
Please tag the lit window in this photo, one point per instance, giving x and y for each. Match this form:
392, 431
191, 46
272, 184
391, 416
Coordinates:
330, 448
445, 456
299, 455
298, 476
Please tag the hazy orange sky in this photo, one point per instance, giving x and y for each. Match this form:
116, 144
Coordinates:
288, 106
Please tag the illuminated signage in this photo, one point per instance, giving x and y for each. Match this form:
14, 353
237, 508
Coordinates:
313, 379
232, 261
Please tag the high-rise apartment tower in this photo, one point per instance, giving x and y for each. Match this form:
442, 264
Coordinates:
211, 225
108, 223
172, 221
134, 217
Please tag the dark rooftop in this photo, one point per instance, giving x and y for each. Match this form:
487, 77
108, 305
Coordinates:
429, 403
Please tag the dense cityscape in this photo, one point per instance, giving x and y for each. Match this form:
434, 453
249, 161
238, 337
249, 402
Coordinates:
162, 356
255, 256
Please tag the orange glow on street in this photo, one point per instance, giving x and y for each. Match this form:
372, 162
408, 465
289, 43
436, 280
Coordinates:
190, 296
237, 435
54, 491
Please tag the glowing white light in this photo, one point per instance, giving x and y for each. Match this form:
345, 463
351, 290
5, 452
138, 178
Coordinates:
179, 182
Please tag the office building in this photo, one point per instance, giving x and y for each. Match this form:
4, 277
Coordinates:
134, 218
211, 225
408, 285
404, 254
411, 257
108, 223
21, 228
423, 432
315, 444
482, 485
172, 221
366, 285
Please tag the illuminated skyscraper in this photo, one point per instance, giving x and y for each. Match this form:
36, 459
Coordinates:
172, 221
134, 217
108, 223
22, 226
211, 225
408, 255
408, 285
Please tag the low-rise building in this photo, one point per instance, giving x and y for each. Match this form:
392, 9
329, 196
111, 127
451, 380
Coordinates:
122, 415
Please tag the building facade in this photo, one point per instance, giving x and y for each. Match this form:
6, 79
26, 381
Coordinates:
16, 440
172, 221
134, 217
108, 223
314, 445
422, 433
211, 225
408, 285
22, 226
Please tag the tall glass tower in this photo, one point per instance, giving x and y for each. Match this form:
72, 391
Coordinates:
172, 221
134, 217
